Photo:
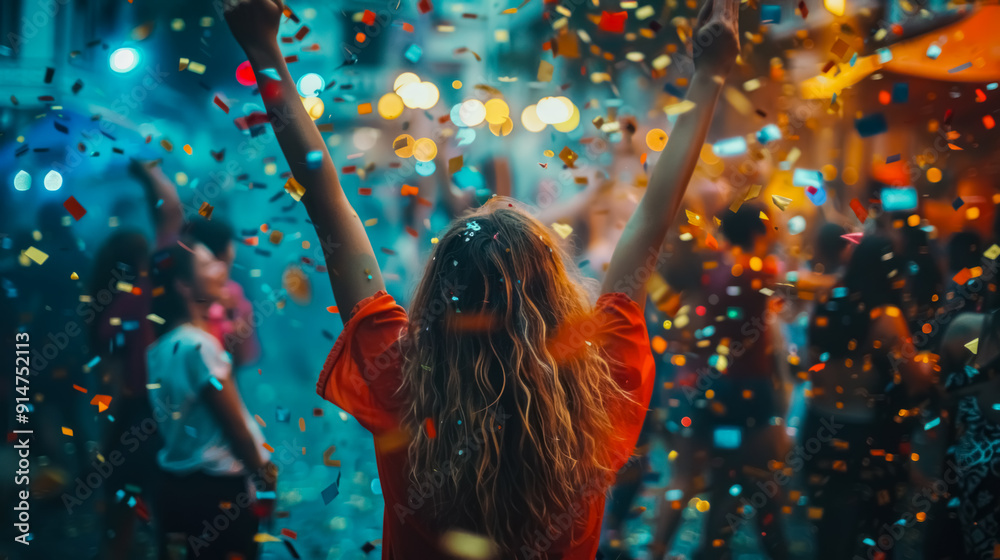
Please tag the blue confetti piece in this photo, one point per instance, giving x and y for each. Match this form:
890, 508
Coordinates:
119, 495
933, 52
425, 168
735, 490
131, 501
871, 125
900, 92
869, 542
932, 424
728, 147
993, 86
854, 58
769, 133
727, 437
314, 159
413, 53
807, 178
957, 69
817, 196
271, 73
770, 13
376, 487
331, 491
674, 495
93, 362
267, 495
282, 414
953, 503
128, 326
191, 431
215, 383
884, 55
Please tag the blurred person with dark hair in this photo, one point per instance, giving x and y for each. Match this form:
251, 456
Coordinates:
864, 372
213, 450
121, 332
737, 388
230, 320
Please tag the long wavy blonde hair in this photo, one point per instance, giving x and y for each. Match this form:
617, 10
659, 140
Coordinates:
510, 415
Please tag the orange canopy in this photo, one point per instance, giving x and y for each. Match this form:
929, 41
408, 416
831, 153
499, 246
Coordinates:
974, 41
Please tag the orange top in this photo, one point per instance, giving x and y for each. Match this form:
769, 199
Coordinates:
362, 375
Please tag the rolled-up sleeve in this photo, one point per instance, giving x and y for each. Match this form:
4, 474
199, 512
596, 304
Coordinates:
363, 370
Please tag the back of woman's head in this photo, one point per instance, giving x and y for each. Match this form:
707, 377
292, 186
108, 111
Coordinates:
168, 267
517, 428
872, 280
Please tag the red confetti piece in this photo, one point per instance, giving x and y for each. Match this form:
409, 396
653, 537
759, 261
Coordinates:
859, 210
74, 208
429, 426
613, 22
222, 104
425, 6
411, 231
302, 32
989, 122
365, 192
408, 190
980, 96
803, 10
333, 309
79, 388
289, 533
368, 18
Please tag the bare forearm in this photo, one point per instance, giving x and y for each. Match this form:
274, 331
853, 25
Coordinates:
673, 170
636, 253
352, 267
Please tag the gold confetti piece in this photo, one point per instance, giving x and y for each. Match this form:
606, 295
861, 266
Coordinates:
326, 457
568, 156
196, 67
152, 386
371, 222
75, 276
973, 345
763, 216
754, 192
36, 255
467, 545
677, 108
124, 287
455, 164
993, 252
738, 100
751, 85
67, 432
780, 201
661, 62
564, 230
545, 70
295, 189
259, 420
183, 64
156, 319
302, 424
265, 537
206, 210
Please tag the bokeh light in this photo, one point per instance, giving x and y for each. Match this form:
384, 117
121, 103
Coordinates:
124, 60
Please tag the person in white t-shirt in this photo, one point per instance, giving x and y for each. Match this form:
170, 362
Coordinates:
213, 459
